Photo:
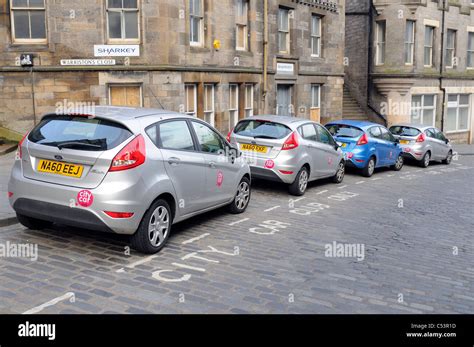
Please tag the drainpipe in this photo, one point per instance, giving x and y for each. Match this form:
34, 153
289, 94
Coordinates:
265, 52
33, 96
441, 65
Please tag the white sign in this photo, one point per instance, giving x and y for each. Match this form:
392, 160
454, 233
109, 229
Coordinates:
87, 62
116, 50
285, 69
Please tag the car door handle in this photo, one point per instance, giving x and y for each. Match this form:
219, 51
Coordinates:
174, 161
212, 165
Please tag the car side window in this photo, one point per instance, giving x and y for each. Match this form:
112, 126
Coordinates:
175, 135
386, 135
375, 132
439, 135
308, 131
430, 133
325, 136
208, 140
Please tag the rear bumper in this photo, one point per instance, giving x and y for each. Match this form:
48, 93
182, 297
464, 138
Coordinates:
286, 162
413, 152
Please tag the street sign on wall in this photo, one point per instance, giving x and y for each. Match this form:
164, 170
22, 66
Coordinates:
87, 62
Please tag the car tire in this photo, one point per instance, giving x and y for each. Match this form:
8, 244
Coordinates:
33, 223
242, 197
369, 169
425, 162
448, 159
298, 187
399, 163
151, 242
339, 176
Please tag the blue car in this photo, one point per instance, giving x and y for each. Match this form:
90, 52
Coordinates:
367, 145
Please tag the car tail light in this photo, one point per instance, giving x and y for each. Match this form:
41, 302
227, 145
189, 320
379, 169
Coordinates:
363, 140
131, 156
119, 215
10, 194
421, 138
19, 152
229, 134
291, 142
286, 172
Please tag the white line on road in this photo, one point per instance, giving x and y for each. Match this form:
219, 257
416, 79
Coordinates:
299, 199
376, 179
187, 267
239, 221
360, 182
322, 192
137, 263
272, 208
342, 187
68, 296
391, 175
195, 239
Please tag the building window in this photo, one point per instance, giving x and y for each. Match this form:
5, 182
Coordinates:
470, 49
423, 109
191, 99
233, 104
410, 42
248, 100
316, 35
125, 95
209, 97
450, 48
316, 96
428, 46
284, 30
28, 18
457, 118
285, 100
122, 19
196, 15
242, 25
380, 36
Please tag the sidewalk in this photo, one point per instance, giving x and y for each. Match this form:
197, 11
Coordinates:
7, 215
464, 149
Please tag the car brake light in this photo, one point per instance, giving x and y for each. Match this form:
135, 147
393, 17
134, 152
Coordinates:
131, 156
363, 140
286, 172
421, 138
119, 215
229, 134
19, 152
291, 142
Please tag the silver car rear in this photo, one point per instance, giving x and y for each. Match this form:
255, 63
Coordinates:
291, 150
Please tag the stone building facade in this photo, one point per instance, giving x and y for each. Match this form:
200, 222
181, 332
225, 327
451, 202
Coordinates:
413, 61
220, 60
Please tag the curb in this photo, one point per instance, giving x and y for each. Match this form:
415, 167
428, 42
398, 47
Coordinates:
8, 222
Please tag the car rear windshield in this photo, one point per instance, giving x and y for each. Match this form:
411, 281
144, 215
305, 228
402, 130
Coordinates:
78, 132
404, 131
262, 129
342, 130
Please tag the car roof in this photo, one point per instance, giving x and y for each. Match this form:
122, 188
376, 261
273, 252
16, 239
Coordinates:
286, 120
362, 124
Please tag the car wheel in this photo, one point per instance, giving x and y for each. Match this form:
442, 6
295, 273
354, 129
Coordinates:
341, 171
242, 197
449, 158
154, 229
298, 187
33, 223
398, 164
369, 169
425, 162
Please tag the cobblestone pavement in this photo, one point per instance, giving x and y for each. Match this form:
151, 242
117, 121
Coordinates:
416, 227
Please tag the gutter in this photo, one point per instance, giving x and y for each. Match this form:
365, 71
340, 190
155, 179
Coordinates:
441, 65
265, 51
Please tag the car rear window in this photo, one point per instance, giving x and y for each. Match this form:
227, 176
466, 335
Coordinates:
262, 129
404, 131
342, 130
78, 132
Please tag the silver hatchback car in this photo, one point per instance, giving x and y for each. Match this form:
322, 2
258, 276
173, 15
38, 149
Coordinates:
127, 171
423, 143
288, 149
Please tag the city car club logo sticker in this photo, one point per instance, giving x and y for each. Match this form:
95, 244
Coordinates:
220, 179
269, 164
330, 161
85, 198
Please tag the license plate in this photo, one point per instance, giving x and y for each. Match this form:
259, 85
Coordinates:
253, 148
58, 168
404, 142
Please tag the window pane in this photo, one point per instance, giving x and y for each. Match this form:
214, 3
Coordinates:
470, 41
409, 31
195, 29
190, 99
309, 132
131, 25
315, 26
451, 119
451, 39
241, 36
130, 3
282, 41
470, 59
37, 3
464, 99
463, 118
115, 3
453, 97
429, 100
208, 140
176, 135
428, 116
283, 21
20, 3
38, 29
22, 26
427, 57
315, 96
115, 29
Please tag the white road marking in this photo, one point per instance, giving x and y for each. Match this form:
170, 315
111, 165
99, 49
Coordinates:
376, 179
360, 182
391, 175
195, 239
68, 296
182, 266
342, 187
239, 221
322, 192
272, 208
137, 263
297, 200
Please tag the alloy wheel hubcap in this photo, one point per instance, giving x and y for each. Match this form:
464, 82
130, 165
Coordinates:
400, 162
371, 166
303, 181
340, 173
243, 195
427, 160
159, 226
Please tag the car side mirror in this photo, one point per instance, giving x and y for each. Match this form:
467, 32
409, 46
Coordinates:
448, 141
336, 146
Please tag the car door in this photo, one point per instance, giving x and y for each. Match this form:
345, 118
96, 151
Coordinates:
391, 150
375, 134
328, 146
184, 164
433, 143
442, 142
221, 170
312, 147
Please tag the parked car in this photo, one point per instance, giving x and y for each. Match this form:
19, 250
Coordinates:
288, 149
127, 171
367, 145
423, 143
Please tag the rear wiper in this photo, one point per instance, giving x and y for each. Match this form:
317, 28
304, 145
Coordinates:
78, 144
264, 137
